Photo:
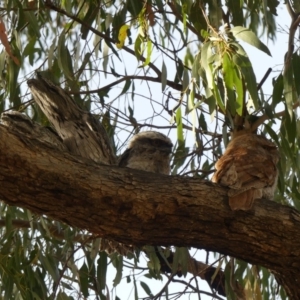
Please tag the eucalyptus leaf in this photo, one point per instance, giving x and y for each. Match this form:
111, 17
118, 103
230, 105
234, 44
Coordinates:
102, 270
146, 288
289, 89
244, 65
84, 279
64, 57
164, 74
249, 37
118, 264
149, 51
205, 56
277, 91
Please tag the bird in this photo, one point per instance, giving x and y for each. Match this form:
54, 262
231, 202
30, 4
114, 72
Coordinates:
249, 168
148, 151
80, 131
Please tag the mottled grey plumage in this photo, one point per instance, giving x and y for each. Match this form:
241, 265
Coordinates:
22, 124
148, 151
81, 132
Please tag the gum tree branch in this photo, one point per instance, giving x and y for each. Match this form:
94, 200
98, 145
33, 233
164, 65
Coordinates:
140, 208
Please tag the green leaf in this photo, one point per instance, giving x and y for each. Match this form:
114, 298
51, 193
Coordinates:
236, 8
85, 61
277, 91
135, 7
29, 50
229, 292
33, 24
9, 285
296, 6
249, 37
296, 70
289, 90
153, 263
206, 54
14, 89
146, 288
89, 18
185, 80
102, 269
202, 122
291, 129
179, 71
164, 75
64, 57
215, 13
216, 93
180, 260
179, 125
137, 47
2, 63
84, 280
190, 107
286, 147
51, 56
8, 220
105, 53
239, 91
40, 280
149, 52
117, 261
126, 87
229, 74
50, 264
110, 46
228, 67
243, 63
196, 67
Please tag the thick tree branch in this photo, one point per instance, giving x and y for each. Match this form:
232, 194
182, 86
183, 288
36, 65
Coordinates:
135, 207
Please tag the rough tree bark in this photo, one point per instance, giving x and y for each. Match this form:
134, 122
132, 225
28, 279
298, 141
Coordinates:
78, 137
136, 207
85, 136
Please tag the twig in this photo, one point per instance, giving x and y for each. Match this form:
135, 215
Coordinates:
264, 78
50, 5
263, 118
294, 24
164, 287
172, 84
198, 291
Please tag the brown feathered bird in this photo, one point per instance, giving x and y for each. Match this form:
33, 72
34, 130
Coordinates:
248, 168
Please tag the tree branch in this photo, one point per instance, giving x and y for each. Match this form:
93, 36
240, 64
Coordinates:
119, 204
294, 25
